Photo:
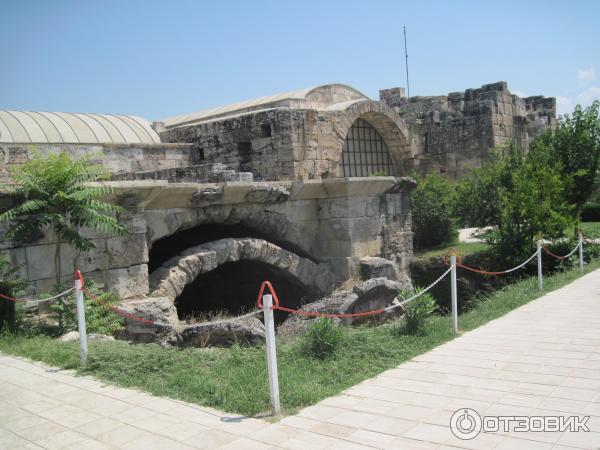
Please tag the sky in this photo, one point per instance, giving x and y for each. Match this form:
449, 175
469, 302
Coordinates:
158, 59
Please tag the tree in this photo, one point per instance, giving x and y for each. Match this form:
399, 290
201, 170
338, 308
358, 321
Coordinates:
576, 146
432, 218
53, 192
532, 202
477, 201
522, 194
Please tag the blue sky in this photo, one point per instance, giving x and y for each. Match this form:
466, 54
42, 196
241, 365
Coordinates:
157, 59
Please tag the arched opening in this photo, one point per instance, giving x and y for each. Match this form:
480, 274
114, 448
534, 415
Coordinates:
215, 291
170, 246
365, 153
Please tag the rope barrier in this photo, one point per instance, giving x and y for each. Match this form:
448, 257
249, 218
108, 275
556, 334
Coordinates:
561, 257
277, 307
34, 300
119, 311
486, 272
421, 292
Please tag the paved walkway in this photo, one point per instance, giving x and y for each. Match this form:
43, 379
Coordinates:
542, 359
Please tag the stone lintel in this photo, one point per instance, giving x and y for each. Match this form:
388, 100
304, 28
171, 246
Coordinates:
162, 195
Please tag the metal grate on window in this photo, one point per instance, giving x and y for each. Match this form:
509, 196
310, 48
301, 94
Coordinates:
364, 152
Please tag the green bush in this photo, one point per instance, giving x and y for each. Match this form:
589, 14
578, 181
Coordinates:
477, 200
416, 313
322, 338
99, 318
10, 284
590, 212
532, 203
432, 212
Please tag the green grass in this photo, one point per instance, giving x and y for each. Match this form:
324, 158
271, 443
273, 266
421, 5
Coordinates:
591, 229
464, 248
235, 379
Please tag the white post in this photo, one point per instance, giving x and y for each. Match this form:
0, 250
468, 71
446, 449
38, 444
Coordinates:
271, 354
81, 321
539, 261
454, 293
580, 251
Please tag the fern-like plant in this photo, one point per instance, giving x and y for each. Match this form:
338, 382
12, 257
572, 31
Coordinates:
99, 318
54, 192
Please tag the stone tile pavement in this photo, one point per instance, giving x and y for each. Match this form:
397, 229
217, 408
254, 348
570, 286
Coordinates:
542, 359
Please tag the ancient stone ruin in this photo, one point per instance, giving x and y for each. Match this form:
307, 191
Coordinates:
308, 189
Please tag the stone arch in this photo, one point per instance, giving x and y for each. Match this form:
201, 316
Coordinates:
387, 123
267, 222
174, 275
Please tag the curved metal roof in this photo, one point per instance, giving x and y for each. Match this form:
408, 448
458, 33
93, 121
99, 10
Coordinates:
320, 96
71, 128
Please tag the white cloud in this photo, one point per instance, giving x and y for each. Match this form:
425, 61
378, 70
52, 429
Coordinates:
586, 75
564, 105
589, 95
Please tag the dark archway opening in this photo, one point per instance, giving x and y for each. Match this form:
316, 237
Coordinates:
167, 247
232, 288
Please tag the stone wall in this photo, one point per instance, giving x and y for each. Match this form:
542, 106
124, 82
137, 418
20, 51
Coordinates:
116, 158
260, 142
292, 144
454, 133
117, 262
333, 222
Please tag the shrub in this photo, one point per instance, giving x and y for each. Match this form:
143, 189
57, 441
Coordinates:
477, 200
432, 215
98, 316
532, 203
10, 284
416, 313
523, 195
575, 146
590, 212
322, 338
53, 193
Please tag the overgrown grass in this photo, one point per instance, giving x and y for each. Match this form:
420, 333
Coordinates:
464, 248
235, 379
591, 229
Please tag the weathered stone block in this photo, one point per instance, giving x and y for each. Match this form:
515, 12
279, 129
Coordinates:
128, 282
374, 267
40, 261
127, 250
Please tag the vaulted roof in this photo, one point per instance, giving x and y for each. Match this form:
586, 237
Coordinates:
57, 127
320, 98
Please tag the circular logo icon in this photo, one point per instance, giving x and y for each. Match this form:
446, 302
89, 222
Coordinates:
465, 423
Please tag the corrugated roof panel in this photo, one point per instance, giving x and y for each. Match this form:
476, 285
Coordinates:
98, 130
5, 135
63, 127
128, 134
83, 132
145, 131
17, 131
113, 131
141, 133
34, 130
50, 127
50, 131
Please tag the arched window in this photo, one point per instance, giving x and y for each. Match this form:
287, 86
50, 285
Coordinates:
364, 152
